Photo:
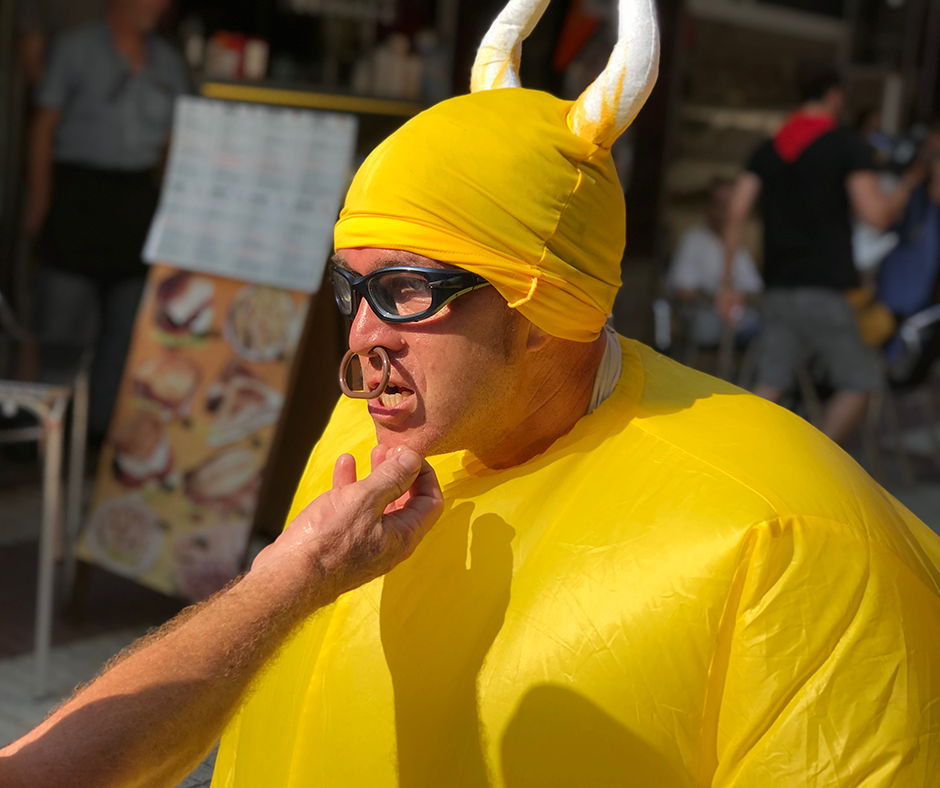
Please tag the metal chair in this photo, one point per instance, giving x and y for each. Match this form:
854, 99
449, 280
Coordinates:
46, 396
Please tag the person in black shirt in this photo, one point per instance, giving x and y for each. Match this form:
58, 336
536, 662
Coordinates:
810, 178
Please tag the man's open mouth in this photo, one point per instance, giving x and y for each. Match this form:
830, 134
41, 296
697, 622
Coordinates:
394, 396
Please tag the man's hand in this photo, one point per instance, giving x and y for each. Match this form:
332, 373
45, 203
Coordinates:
730, 305
39, 169
360, 530
152, 716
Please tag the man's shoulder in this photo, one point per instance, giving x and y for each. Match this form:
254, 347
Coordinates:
725, 431
82, 37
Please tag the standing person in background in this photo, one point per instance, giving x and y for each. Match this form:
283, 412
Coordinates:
907, 277
40, 22
810, 177
103, 119
698, 267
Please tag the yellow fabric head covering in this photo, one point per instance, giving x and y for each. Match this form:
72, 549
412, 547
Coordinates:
514, 185
496, 183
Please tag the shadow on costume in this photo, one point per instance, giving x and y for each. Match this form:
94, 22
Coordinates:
440, 615
559, 739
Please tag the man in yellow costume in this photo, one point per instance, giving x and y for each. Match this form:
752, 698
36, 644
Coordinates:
642, 576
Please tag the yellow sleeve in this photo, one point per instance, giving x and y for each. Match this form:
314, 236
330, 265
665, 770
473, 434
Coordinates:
827, 666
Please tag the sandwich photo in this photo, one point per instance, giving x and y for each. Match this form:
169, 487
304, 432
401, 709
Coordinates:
227, 482
184, 305
142, 452
241, 404
168, 381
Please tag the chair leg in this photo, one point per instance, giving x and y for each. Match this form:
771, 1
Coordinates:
894, 425
747, 372
724, 365
870, 436
52, 489
76, 480
810, 397
930, 422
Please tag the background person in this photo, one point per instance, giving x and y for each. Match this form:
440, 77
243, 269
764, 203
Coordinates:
100, 131
40, 22
697, 270
810, 178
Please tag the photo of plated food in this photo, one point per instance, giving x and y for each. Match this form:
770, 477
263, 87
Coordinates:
169, 381
184, 305
227, 482
205, 559
142, 452
260, 325
241, 404
202, 392
125, 536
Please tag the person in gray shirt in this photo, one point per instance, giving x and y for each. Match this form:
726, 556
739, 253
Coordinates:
99, 135
39, 22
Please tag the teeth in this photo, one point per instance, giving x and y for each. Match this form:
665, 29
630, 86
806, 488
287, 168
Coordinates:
390, 400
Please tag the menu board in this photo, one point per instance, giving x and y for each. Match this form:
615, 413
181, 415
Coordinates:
202, 390
252, 192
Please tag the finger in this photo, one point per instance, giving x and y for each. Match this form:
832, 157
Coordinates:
421, 510
427, 485
390, 479
412, 522
344, 472
377, 457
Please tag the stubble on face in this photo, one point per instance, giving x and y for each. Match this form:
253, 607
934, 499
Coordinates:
472, 388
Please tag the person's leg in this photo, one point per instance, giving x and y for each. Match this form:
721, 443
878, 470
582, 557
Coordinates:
843, 413
780, 349
852, 367
772, 393
120, 310
69, 313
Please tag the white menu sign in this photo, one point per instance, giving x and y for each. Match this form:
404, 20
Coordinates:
252, 192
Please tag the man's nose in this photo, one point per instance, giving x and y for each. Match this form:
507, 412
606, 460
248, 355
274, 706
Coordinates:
368, 331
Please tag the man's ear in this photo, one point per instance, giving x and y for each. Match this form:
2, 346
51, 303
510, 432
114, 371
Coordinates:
536, 339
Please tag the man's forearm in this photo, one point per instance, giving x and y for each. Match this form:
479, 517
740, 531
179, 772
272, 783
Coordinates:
734, 231
154, 715
40, 167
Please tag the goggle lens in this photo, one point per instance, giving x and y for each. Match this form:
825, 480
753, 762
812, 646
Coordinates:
343, 292
401, 293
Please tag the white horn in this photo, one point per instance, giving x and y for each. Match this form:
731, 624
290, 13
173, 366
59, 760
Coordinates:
497, 60
613, 100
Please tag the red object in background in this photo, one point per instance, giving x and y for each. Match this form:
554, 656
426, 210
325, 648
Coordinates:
799, 132
224, 55
575, 33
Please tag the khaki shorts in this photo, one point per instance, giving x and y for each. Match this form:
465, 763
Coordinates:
814, 326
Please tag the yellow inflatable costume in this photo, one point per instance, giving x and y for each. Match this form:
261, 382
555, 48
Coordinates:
691, 588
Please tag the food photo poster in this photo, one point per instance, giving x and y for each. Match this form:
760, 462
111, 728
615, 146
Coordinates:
201, 394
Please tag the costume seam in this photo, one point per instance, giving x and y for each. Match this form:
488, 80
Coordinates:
561, 213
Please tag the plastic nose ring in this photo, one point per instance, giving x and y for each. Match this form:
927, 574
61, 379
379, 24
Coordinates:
379, 390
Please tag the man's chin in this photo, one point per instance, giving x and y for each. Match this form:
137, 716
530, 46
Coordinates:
415, 439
